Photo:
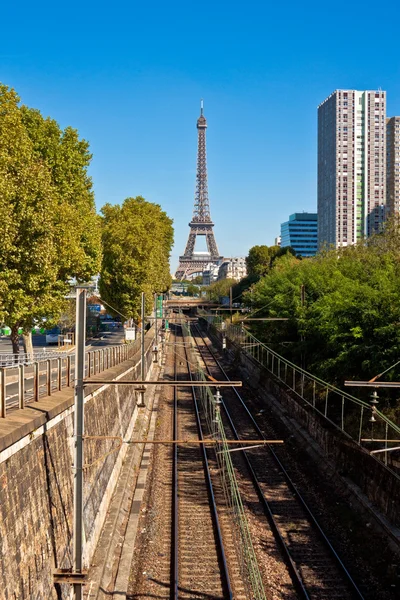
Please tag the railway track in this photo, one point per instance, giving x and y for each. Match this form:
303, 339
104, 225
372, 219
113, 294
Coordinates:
198, 561
316, 570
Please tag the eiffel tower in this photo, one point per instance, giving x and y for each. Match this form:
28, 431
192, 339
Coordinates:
191, 263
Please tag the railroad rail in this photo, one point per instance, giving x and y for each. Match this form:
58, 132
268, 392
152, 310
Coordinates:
316, 569
198, 562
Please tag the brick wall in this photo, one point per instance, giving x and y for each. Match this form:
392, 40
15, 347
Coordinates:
36, 492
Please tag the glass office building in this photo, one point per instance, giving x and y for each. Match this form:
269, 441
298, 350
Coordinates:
301, 233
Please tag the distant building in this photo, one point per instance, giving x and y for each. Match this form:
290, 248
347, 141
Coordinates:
351, 166
278, 240
301, 233
233, 268
393, 166
210, 273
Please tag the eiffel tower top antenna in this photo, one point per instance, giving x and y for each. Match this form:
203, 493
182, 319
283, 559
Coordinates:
201, 223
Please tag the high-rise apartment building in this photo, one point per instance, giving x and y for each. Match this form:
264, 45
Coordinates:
300, 232
393, 166
351, 166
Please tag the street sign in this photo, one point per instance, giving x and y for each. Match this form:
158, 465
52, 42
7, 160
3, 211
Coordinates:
94, 307
130, 333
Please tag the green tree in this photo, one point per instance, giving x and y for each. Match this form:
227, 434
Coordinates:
137, 240
40, 249
220, 288
193, 290
198, 280
348, 325
78, 225
261, 258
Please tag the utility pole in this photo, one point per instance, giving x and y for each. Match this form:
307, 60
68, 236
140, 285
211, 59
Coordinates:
155, 350
78, 436
230, 302
155, 320
303, 301
142, 390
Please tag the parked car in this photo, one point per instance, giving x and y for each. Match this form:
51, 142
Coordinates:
52, 335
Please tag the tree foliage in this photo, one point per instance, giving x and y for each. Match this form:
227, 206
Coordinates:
348, 326
261, 258
219, 288
40, 249
137, 239
193, 290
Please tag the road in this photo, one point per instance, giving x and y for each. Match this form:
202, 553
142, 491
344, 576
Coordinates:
39, 341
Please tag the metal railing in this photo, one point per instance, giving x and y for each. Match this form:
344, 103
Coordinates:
8, 359
52, 371
211, 410
359, 420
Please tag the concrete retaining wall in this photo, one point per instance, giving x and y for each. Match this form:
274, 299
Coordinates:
36, 484
380, 485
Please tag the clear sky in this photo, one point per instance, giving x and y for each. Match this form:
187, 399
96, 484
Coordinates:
129, 76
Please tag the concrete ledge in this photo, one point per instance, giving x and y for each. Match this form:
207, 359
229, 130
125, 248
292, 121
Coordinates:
22, 422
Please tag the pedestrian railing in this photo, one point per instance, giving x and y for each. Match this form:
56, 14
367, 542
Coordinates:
359, 420
27, 358
50, 371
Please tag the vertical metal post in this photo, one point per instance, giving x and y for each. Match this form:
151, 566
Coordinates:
230, 302
3, 396
142, 365
36, 375
155, 321
155, 329
59, 373
78, 436
48, 377
68, 371
21, 386
303, 300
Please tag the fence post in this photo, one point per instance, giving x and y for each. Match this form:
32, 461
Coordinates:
68, 371
59, 373
3, 397
36, 382
48, 377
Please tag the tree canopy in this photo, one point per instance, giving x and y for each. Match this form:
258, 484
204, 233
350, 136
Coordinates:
261, 258
49, 225
348, 325
137, 239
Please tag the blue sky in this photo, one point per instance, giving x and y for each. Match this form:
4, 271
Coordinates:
129, 76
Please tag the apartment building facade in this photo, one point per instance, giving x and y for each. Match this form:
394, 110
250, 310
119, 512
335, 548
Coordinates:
233, 268
351, 166
393, 166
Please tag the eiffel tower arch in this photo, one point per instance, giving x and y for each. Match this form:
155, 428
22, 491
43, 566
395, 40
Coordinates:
201, 224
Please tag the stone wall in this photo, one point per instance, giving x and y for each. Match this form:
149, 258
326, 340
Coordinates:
379, 484
36, 491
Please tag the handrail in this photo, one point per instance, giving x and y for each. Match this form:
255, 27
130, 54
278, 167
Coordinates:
358, 420
51, 371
